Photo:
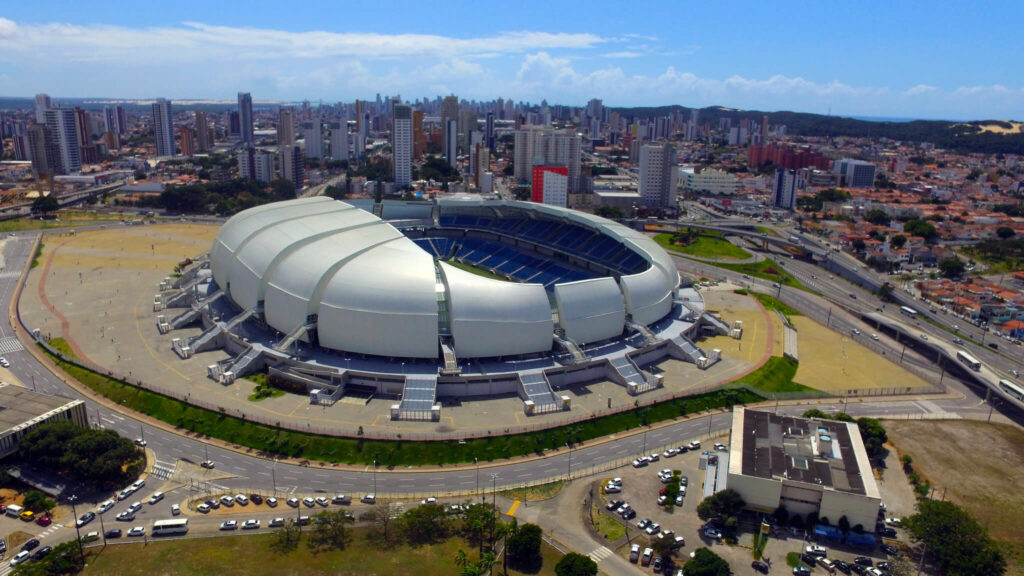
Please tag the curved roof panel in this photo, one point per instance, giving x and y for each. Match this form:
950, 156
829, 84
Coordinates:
590, 310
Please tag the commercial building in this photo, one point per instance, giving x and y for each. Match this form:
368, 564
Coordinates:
784, 189
542, 146
62, 136
713, 182
245, 125
806, 465
401, 145
22, 410
855, 173
658, 180
163, 127
550, 185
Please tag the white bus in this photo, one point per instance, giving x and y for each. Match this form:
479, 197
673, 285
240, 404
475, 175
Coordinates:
968, 360
1012, 390
170, 527
908, 311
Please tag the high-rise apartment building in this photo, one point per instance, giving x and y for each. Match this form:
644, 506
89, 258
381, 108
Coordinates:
658, 177
286, 127
401, 145
245, 118
42, 150
202, 132
339, 140
468, 122
292, 165
489, 131
481, 163
42, 105
550, 185
62, 135
449, 111
541, 146
784, 189
163, 127
187, 141
312, 133
419, 140
110, 120
450, 141
855, 173
257, 164
122, 120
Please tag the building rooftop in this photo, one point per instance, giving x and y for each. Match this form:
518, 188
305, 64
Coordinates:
823, 452
20, 407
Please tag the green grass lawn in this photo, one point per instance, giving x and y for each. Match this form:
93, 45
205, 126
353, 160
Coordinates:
772, 303
606, 525
247, 555
768, 231
357, 450
474, 270
707, 245
66, 221
766, 270
775, 376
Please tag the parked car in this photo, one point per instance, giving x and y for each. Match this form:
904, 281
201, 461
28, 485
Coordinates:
341, 499
679, 499
863, 561
309, 502
251, 524
242, 499
670, 452
369, 499
293, 502
20, 557
125, 516
613, 505
213, 503
256, 499
30, 545
639, 463
229, 525
44, 521
643, 523
809, 559
324, 502
816, 551
140, 442
227, 500
612, 489
272, 502
112, 533
634, 553
694, 445
276, 523
801, 571
712, 533
204, 508
759, 566
890, 550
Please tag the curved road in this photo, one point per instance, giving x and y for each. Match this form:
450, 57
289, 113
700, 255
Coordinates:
254, 473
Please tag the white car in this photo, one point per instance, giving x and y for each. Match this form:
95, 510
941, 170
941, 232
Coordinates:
204, 508
653, 528
227, 500
924, 336
324, 502
135, 507
612, 489
856, 331
616, 482
293, 502
276, 523
124, 494
251, 524
5, 364
126, 516
156, 498
105, 506
272, 502
309, 502
639, 463
175, 509
229, 525
138, 484
20, 557
241, 499
137, 531
874, 337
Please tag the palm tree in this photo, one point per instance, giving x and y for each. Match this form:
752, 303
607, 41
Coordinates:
505, 531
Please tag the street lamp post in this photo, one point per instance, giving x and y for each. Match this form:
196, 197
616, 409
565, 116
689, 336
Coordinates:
273, 476
375, 477
78, 532
494, 504
568, 471
644, 451
477, 463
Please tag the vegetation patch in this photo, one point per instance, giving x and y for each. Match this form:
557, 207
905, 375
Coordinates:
35, 257
272, 440
766, 270
96, 459
773, 303
776, 375
701, 244
535, 493
605, 525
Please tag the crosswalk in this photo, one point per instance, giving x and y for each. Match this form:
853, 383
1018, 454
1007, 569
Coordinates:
5, 565
10, 344
162, 471
600, 554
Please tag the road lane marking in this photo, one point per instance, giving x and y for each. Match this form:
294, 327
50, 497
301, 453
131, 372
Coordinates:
512, 509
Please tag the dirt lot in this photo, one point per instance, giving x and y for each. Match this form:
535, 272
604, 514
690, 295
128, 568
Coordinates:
757, 334
833, 361
978, 466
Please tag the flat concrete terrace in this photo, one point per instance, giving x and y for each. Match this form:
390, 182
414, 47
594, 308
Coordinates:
96, 289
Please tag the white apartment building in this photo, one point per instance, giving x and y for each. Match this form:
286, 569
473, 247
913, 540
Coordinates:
713, 182
401, 145
542, 146
658, 177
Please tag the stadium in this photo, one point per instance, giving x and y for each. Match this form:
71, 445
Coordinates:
421, 300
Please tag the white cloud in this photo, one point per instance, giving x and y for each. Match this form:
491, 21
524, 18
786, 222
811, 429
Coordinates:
921, 89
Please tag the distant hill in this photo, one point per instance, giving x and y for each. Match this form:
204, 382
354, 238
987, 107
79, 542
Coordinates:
984, 136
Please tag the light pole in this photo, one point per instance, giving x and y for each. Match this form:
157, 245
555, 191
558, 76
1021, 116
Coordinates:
374, 477
568, 471
142, 433
78, 532
103, 529
273, 476
643, 452
494, 504
477, 463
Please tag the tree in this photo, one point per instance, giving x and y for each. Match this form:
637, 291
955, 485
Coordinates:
478, 521
671, 491
664, 546
957, 544
282, 189
885, 292
384, 516
610, 212
858, 245
64, 560
918, 227
524, 546
898, 241
330, 531
573, 564
479, 568
98, 459
1005, 232
45, 205
724, 505
873, 435
37, 502
952, 267
425, 524
286, 538
706, 563
877, 217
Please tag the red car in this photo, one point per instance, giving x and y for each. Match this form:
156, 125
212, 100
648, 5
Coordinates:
44, 521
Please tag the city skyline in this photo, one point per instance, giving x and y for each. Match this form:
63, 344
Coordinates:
864, 60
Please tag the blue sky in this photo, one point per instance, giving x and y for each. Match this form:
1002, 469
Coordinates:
954, 60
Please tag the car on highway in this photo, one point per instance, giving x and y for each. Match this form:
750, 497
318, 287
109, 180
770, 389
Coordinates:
924, 336
874, 337
207, 464
137, 531
229, 525
140, 442
112, 533
251, 524
856, 331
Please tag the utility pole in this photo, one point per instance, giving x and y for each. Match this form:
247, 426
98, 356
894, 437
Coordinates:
78, 531
476, 462
494, 504
568, 471
375, 478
